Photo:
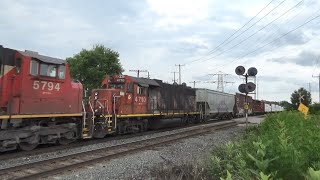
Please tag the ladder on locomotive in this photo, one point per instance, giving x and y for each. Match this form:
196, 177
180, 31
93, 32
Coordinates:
87, 122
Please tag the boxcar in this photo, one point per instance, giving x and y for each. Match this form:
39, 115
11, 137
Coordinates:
239, 105
258, 107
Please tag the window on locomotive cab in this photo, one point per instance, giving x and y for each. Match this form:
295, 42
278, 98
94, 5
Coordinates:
34, 68
61, 72
48, 70
130, 87
18, 65
141, 90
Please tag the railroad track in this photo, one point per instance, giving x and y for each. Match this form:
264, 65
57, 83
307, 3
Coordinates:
50, 148
53, 167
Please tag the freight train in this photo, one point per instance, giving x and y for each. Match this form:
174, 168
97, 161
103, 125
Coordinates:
41, 104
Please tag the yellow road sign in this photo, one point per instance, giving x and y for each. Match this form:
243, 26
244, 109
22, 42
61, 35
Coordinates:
303, 108
246, 106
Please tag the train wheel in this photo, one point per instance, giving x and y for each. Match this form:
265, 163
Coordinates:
29, 145
65, 141
99, 131
67, 138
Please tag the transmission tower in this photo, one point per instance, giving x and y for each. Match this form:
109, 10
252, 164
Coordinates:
220, 82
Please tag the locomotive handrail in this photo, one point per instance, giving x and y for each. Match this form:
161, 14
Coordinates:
84, 114
114, 110
93, 116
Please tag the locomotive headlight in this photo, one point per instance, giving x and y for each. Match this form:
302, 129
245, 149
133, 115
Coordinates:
96, 93
100, 107
96, 110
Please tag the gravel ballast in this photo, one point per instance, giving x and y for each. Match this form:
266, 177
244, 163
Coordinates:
64, 152
139, 165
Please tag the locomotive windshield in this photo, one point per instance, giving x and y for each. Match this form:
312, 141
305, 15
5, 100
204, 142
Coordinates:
116, 82
116, 86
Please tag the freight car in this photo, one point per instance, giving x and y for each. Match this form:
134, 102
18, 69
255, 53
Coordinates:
215, 104
258, 107
239, 110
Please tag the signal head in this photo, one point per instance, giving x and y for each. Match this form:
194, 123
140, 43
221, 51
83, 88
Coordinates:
249, 87
241, 88
240, 70
252, 71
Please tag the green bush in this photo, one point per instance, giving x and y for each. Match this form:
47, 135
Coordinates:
284, 146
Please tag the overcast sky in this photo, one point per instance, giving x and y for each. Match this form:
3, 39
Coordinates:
155, 35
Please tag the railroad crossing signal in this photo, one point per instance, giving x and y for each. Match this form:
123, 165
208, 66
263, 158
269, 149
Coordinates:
301, 97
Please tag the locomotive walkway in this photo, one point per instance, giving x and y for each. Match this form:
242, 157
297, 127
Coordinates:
56, 166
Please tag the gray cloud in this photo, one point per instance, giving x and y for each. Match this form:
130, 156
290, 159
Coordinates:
305, 58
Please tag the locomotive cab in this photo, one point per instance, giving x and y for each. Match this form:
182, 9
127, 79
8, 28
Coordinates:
38, 101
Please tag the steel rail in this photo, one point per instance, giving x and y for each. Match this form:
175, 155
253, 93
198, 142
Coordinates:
56, 166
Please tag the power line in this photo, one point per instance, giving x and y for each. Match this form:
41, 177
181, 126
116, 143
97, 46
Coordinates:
242, 41
212, 51
283, 35
266, 38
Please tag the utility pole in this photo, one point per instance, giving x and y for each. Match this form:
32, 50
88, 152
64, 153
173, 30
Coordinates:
138, 71
220, 82
179, 71
174, 76
255, 91
194, 83
319, 84
310, 87
257, 88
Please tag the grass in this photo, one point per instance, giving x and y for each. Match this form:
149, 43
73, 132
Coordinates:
284, 146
